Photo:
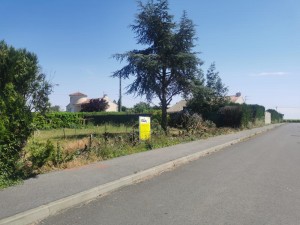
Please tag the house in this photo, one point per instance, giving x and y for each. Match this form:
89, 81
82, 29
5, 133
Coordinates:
237, 98
78, 98
179, 106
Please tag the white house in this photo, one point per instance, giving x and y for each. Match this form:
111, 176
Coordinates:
237, 98
179, 106
77, 99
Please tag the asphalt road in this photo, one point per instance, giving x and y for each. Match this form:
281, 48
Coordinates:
254, 182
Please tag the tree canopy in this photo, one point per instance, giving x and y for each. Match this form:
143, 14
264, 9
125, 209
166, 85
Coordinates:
168, 65
95, 105
209, 94
23, 89
141, 107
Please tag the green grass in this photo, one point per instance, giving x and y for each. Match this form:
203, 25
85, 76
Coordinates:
73, 147
67, 133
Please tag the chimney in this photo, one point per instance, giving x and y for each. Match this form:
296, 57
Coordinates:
238, 94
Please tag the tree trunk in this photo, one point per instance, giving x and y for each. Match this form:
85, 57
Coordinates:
164, 118
164, 121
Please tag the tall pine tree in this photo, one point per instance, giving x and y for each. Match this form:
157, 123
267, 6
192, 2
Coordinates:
168, 65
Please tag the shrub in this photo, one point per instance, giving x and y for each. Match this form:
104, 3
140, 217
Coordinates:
258, 113
230, 116
40, 153
276, 117
236, 115
57, 120
73, 120
15, 128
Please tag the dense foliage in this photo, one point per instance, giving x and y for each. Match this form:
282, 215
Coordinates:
208, 95
236, 115
141, 107
77, 120
276, 117
23, 88
94, 105
57, 120
168, 65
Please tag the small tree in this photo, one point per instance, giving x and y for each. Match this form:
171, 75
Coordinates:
168, 65
215, 85
95, 105
55, 108
208, 97
141, 107
23, 89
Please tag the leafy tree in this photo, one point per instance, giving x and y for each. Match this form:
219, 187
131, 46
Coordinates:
55, 108
167, 66
141, 107
215, 85
208, 97
23, 88
124, 108
95, 105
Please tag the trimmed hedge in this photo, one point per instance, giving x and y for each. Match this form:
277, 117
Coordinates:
70, 120
57, 120
258, 113
291, 121
276, 117
236, 115
128, 119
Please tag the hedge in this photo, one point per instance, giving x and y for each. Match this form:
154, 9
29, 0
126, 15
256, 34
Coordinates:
292, 121
128, 119
70, 120
276, 117
236, 115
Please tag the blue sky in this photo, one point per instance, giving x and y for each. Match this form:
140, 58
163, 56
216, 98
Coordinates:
255, 44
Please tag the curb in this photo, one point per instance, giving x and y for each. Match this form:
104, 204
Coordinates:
44, 211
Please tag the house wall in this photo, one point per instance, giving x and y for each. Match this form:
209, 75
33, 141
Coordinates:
112, 107
75, 103
240, 100
77, 99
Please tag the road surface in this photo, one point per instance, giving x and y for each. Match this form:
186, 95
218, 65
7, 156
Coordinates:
253, 182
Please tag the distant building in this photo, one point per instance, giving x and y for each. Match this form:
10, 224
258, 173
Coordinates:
237, 98
179, 106
77, 99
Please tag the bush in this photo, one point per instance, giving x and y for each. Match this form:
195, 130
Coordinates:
240, 115
258, 113
15, 128
40, 154
23, 89
73, 120
57, 120
187, 121
276, 117
230, 116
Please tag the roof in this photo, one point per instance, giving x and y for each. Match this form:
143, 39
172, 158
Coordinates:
233, 98
177, 107
78, 94
236, 99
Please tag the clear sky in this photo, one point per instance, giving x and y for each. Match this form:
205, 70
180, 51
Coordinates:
255, 44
